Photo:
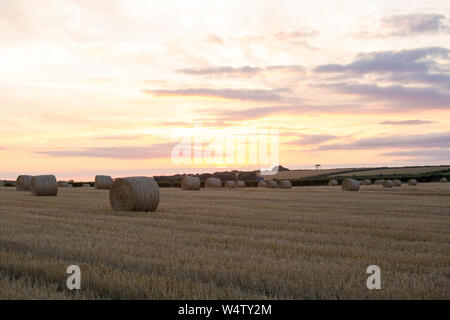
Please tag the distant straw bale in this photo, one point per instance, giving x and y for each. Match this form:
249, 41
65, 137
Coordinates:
103, 182
285, 184
213, 183
271, 184
230, 184
240, 184
388, 184
350, 184
190, 183
333, 182
63, 184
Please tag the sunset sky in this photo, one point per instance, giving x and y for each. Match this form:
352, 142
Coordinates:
106, 87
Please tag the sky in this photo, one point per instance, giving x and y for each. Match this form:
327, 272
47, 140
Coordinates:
110, 87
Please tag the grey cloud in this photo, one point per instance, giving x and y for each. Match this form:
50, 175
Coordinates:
416, 23
411, 60
433, 154
432, 140
407, 122
244, 71
155, 151
226, 93
399, 97
308, 139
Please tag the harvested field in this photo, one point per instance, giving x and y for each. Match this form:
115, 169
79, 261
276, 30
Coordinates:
300, 243
392, 171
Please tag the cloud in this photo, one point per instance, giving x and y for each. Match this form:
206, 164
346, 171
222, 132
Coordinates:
409, 61
155, 151
431, 140
416, 23
225, 93
308, 139
245, 71
296, 109
294, 35
433, 154
399, 97
407, 122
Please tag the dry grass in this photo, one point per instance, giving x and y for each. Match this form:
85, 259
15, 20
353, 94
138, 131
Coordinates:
302, 243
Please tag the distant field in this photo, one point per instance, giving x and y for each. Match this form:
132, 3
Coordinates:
391, 171
302, 243
297, 174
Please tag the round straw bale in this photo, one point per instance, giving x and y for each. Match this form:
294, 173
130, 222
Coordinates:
2, 183
23, 183
388, 183
70, 185
444, 180
190, 183
103, 182
261, 184
134, 194
45, 185
333, 182
350, 185
63, 184
86, 185
230, 184
412, 182
397, 183
367, 182
240, 184
285, 184
380, 181
271, 184
213, 183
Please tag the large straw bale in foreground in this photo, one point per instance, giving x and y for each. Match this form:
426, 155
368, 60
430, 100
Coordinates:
333, 183
444, 180
261, 184
134, 194
45, 185
240, 184
190, 183
285, 184
23, 183
63, 184
230, 184
271, 184
412, 182
103, 182
213, 183
397, 183
388, 184
350, 184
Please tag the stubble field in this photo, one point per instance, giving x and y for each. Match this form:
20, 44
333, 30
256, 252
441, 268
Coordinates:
302, 243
